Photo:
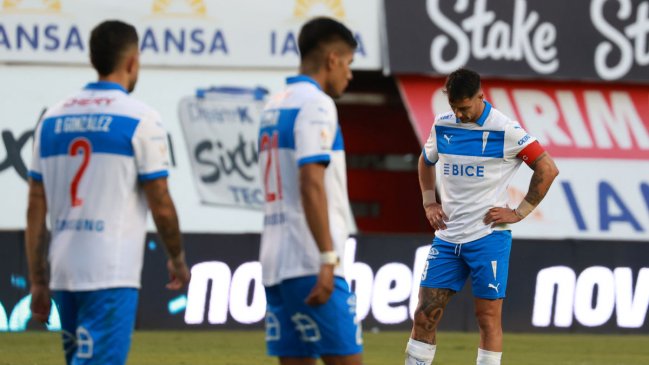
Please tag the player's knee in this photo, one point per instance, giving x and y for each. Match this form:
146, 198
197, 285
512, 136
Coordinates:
488, 320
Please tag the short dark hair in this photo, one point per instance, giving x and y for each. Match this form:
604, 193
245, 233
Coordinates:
322, 30
461, 84
108, 42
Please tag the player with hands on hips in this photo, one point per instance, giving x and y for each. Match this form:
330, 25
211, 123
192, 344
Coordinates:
477, 150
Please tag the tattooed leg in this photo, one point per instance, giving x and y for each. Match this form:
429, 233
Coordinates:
430, 309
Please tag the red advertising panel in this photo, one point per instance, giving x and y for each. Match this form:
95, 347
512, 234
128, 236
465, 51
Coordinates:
599, 137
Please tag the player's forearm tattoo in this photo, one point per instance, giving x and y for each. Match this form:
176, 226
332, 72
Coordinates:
541, 180
534, 194
166, 220
37, 237
429, 312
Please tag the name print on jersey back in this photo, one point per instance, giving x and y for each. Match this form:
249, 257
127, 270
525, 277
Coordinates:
93, 151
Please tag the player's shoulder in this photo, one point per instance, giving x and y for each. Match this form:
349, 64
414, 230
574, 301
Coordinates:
136, 108
497, 120
445, 118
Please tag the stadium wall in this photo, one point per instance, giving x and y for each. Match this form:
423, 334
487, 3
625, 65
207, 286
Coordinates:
554, 286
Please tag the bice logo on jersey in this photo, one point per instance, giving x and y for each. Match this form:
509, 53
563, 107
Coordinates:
453, 169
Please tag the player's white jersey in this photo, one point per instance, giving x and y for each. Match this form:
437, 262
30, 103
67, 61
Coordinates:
299, 126
91, 151
475, 163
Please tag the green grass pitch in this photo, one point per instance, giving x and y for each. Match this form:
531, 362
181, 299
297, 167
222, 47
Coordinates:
247, 347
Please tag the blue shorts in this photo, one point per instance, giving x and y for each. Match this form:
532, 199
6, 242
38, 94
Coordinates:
487, 260
295, 329
96, 326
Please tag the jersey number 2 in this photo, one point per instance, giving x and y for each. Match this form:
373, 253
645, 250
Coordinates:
271, 146
79, 145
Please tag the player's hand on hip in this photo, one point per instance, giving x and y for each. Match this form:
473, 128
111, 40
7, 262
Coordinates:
178, 274
323, 287
41, 302
497, 216
436, 216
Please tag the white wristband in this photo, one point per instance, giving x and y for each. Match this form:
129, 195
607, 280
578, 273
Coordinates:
329, 258
428, 197
524, 209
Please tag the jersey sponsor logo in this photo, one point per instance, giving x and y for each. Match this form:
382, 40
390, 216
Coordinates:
88, 101
524, 139
453, 169
80, 225
448, 138
274, 219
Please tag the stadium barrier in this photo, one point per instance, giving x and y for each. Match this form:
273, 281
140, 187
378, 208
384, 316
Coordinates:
554, 286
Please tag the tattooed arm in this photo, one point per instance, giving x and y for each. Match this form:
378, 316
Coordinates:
36, 246
166, 221
545, 170
544, 173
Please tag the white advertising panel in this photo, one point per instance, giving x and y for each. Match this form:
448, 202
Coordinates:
221, 127
209, 33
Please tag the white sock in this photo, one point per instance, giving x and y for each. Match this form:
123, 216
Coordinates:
488, 357
418, 353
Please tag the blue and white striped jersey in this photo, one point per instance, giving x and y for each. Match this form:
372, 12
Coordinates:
475, 162
91, 151
299, 126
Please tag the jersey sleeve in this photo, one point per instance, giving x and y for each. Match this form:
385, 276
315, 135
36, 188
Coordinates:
316, 129
519, 144
151, 149
430, 148
35, 170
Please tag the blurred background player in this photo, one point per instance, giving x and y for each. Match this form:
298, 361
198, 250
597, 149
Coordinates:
99, 157
479, 150
311, 312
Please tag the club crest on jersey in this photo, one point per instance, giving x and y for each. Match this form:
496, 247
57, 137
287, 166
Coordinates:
325, 139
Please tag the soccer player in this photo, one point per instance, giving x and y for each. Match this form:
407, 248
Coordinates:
310, 309
477, 150
99, 157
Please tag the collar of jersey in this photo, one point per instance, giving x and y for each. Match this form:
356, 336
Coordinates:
302, 78
105, 85
483, 116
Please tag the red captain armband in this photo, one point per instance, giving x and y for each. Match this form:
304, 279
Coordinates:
530, 153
